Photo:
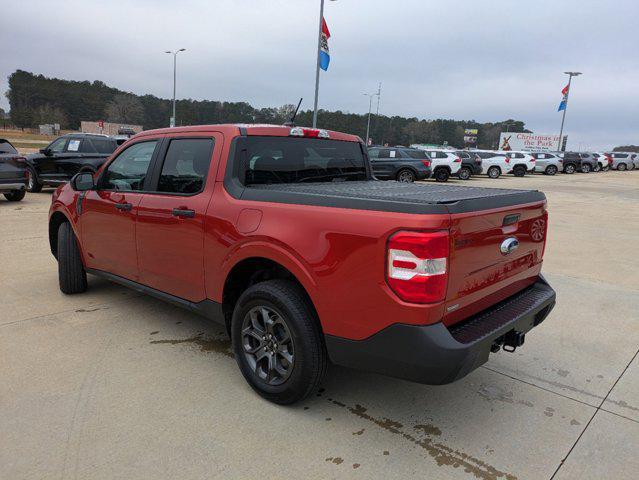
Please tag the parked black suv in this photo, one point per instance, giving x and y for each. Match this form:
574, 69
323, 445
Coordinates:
13, 172
471, 164
578, 162
399, 163
66, 156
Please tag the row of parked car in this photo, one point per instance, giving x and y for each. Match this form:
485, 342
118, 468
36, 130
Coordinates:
417, 162
81, 152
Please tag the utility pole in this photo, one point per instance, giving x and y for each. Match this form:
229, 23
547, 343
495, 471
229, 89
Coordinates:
172, 123
563, 117
370, 108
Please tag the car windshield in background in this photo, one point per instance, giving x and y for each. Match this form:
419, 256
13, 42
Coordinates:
6, 147
297, 160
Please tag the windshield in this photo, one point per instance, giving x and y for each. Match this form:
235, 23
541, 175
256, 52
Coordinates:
296, 160
6, 147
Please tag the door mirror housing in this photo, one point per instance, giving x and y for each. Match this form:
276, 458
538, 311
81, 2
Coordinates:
83, 181
45, 151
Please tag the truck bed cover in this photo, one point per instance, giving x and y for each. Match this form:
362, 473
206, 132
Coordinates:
431, 198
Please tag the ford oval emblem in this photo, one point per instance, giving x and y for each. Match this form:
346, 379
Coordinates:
509, 245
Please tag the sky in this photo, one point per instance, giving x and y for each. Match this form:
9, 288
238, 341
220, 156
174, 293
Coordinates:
466, 60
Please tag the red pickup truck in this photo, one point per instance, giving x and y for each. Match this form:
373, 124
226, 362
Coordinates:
283, 235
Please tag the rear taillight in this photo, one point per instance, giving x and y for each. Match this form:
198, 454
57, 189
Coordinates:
457, 159
417, 266
507, 159
308, 132
426, 163
609, 158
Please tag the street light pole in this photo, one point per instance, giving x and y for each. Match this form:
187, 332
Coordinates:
173, 120
563, 117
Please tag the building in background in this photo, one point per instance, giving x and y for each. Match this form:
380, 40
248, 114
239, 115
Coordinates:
106, 128
530, 142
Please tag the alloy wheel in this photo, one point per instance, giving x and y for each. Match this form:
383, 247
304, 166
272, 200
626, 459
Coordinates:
268, 345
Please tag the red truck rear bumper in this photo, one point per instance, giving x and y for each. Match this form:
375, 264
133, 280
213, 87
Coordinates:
436, 354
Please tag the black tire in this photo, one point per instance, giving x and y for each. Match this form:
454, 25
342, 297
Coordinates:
585, 168
406, 175
15, 196
71, 275
287, 307
33, 185
494, 172
621, 167
570, 168
464, 173
441, 175
519, 171
551, 170
597, 168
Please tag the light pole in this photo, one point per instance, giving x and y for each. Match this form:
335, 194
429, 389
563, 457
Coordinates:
317, 67
370, 108
172, 122
563, 117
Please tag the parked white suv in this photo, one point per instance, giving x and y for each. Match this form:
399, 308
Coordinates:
521, 162
443, 162
494, 164
604, 160
547, 163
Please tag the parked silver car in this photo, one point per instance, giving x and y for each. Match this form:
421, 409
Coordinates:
547, 163
622, 160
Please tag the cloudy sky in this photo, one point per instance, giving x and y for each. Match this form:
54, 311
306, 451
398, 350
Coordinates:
480, 59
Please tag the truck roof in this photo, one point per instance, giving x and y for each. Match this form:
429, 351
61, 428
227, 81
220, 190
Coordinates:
235, 129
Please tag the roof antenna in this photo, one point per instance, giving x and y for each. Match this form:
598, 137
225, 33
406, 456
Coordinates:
291, 122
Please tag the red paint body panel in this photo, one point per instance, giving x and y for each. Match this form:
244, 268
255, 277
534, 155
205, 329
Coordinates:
338, 255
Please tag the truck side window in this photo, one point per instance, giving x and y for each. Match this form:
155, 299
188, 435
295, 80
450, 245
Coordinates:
186, 165
129, 169
103, 145
86, 146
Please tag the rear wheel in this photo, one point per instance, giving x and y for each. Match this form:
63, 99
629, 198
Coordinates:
621, 166
494, 172
277, 342
15, 196
597, 168
32, 181
551, 170
519, 171
442, 175
570, 168
405, 176
464, 173
71, 274
585, 168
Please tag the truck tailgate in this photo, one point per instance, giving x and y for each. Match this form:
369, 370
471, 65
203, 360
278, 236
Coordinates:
480, 273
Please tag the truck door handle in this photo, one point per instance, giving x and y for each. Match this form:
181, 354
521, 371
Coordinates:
183, 212
126, 207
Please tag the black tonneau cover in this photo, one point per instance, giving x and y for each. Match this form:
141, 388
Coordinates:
389, 196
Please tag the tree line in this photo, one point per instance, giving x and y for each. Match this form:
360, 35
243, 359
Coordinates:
36, 99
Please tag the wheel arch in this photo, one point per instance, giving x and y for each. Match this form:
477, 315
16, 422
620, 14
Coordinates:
250, 270
56, 219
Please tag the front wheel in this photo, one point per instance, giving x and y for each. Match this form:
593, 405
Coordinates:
570, 169
33, 185
15, 196
494, 172
464, 173
405, 176
277, 342
551, 170
597, 168
621, 166
585, 168
71, 274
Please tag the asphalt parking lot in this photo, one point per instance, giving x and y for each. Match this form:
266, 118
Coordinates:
112, 384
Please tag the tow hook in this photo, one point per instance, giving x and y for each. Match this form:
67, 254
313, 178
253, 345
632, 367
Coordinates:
512, 340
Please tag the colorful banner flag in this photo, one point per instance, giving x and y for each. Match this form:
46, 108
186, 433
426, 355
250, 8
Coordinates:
564, 101
325, 57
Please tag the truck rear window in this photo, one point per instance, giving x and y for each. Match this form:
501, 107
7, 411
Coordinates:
266, 160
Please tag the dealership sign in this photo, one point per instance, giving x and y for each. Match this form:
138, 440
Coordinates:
470, 137
529, 141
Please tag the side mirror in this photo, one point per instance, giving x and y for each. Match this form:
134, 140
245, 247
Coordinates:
82, 182
45, 151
